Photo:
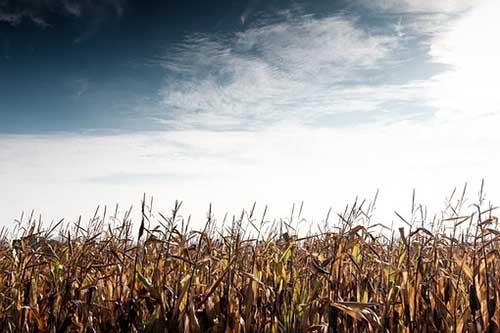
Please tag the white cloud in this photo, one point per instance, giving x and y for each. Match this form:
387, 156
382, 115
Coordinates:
468, 45
65, 175
321, 71
420, 6
295, 70
249, 9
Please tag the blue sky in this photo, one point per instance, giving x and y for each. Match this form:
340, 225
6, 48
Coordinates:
236, 101
128, 66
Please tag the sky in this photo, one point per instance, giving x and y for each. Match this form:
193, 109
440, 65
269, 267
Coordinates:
231, 102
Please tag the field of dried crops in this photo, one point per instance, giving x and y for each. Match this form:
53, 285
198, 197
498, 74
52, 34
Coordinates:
239, 276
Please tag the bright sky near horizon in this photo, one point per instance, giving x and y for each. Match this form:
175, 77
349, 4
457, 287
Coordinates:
234, 102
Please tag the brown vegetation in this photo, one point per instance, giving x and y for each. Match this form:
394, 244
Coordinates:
237, 278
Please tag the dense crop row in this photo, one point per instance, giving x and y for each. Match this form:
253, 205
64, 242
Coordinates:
350, 277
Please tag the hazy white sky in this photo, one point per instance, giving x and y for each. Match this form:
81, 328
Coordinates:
296, 108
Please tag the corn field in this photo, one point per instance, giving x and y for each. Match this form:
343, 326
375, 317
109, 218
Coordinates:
160, 275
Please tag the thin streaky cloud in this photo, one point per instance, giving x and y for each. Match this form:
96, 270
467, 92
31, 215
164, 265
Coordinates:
420, 6
249, 9
39, 12
308, 70
12, 19
296, 70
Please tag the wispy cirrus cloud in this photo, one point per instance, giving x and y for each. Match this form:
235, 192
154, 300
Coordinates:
12, 19
304, 69
39, 11
419, 6
332, 70
249, 9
